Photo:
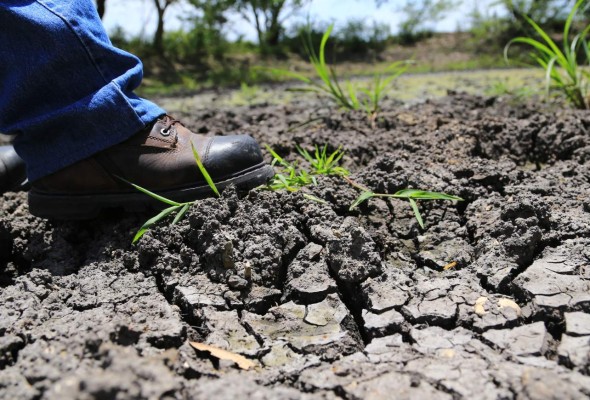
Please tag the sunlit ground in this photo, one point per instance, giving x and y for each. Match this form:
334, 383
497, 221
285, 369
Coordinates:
408, 88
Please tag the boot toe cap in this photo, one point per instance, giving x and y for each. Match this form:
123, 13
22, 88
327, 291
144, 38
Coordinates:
230, 155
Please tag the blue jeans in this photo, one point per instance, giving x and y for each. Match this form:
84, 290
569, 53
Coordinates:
65, 91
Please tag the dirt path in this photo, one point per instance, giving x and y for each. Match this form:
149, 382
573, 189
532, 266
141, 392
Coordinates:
328, 303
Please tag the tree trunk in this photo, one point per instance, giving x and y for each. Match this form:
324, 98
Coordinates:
259, 31
274, 30
159, 35
100, 7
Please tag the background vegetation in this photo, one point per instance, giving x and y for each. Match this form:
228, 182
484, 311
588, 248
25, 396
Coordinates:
202, 54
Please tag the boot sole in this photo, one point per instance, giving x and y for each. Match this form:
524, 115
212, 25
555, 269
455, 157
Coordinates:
88, 206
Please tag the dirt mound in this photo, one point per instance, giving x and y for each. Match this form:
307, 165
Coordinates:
329, 303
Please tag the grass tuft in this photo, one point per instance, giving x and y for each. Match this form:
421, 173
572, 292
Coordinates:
292, 178
562, 71
344, 95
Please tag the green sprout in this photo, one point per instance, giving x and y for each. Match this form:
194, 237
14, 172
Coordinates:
410, 194
330, 86
175, 207
569, 78
323, 163
292, 178
375, 93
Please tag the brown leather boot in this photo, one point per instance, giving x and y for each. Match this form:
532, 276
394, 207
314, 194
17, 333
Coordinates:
159, 159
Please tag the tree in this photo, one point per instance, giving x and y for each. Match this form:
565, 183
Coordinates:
419, 13
209, 23
161, 7
268, 17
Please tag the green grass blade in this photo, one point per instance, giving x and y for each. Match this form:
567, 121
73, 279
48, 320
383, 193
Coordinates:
204, 171
352, 95
334, 157
285, 182
278, 158
416, 212
424, 195
568, 22
364, 196
550, 74
325, 37
304, 153
181, 213
536, 45
314, 198
152, 221
555, 49
150, 193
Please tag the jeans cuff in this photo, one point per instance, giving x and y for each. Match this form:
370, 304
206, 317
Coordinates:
93, 124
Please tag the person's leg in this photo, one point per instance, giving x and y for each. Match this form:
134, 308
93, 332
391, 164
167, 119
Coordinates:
66, 91
67, 94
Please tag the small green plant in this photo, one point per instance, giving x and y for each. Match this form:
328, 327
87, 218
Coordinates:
179, 208
410, 194
562, 71
346, 95
175, 207
292, 178
375, 93
324, 164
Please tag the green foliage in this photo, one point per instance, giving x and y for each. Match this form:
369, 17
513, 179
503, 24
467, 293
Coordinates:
136, 45
248, 94
203, 170
356, 39
488, 31
410, 194
562, 71
208, 27
359, 38
329, 85
268, 18
416, 16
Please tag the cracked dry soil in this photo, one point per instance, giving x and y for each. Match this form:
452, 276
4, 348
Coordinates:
328, 303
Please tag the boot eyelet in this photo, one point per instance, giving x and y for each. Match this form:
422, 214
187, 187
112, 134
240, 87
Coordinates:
165, 131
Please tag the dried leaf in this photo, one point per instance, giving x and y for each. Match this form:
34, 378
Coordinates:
507, 303
479, 307
216, 352
450, 265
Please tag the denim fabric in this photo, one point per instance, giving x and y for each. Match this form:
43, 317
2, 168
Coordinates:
65, 91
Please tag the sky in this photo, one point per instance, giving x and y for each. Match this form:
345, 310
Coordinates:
138, 17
